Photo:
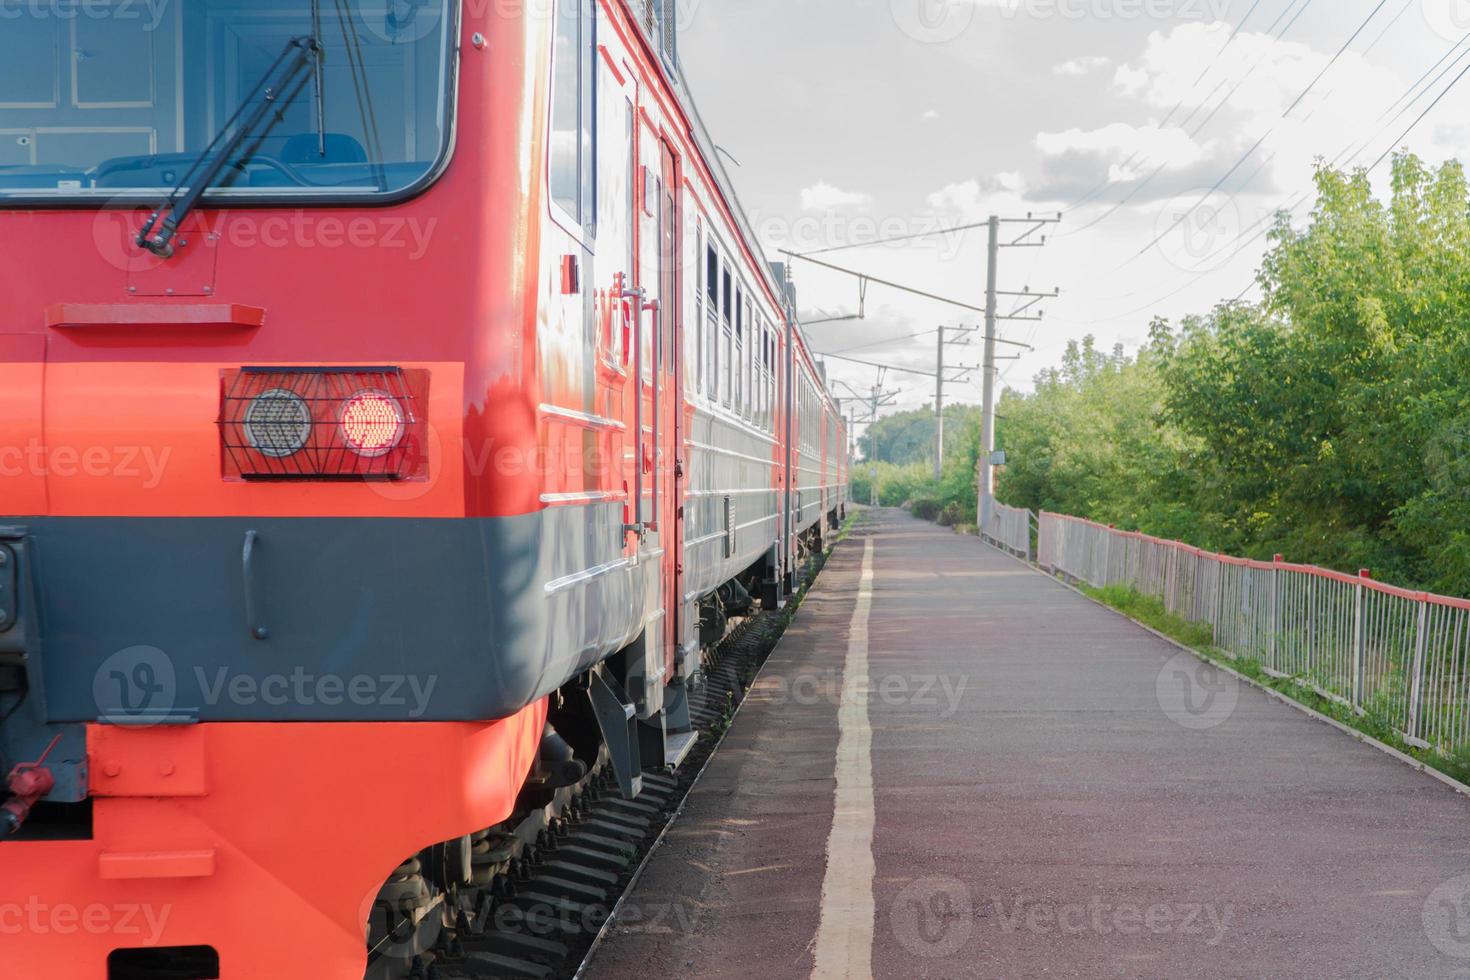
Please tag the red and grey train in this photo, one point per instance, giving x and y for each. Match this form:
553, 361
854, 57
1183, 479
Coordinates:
392, 395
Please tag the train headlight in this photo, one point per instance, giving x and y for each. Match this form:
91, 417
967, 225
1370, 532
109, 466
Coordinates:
372, 423
328, 424
277, 423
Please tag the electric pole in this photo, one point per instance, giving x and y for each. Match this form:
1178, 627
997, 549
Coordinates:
939, 412
873, 400
880, 399
939, 382
986, 474
986, 481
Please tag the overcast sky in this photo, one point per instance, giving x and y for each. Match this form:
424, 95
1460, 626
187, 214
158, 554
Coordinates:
853, 119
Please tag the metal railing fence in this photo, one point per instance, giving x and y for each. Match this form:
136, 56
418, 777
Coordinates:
1010, 528
1402, 655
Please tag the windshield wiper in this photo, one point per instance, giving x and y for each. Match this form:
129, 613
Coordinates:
298, 53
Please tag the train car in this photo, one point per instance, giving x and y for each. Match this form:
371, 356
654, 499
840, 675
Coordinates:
394, 406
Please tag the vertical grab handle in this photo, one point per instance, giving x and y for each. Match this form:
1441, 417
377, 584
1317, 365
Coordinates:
637, 526
252, 609
656, 307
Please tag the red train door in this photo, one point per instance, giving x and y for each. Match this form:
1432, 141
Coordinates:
671, 325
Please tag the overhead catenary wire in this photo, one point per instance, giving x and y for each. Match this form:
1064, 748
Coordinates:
1414, 125
1107, 182
1250, 152
897, 238
880, 343
1345, 156
1139, 187
885, 282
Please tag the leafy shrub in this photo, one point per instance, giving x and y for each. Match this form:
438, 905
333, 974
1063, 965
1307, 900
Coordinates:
925, 508
953, 515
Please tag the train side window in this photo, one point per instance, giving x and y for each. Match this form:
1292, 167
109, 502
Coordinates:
712, 320
752, 357
758, 373
698, 309
758, 376
765, 377
744, 367
775, 379
727, 342
771, 379
739, 363
573, 102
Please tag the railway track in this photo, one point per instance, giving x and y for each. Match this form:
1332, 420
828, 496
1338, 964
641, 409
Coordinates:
551, 886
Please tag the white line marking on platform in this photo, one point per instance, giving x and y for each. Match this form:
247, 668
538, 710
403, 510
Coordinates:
844, 947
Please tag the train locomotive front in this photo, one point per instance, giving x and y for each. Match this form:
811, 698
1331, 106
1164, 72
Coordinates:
343, 468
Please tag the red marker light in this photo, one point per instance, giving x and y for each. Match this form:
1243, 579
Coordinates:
372, 423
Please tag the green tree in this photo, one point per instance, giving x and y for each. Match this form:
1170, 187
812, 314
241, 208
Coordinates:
1331, 422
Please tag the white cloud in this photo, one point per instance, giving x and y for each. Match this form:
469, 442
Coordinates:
1242, 97
1118, 142
930, 115
975, 199
1082, 66
823, 196
1260, 75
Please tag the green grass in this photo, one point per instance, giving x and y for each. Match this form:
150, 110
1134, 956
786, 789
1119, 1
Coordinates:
1199, 637
1151, 612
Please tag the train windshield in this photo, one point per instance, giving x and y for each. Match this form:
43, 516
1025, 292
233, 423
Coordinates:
115, 99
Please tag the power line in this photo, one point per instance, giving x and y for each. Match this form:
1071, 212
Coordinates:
886, 367
1139, 187
1340, 51
1106, 182
880, 343
1248, 153
1416, 122
898, 238
1240, 243
884, 282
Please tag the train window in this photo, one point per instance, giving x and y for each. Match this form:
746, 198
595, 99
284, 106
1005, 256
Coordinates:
765, 375
698, 309
573, 100
739, 363
775, 376
743, 366
771, 382
752, 357
712, 319
101, 106
727, 343
757, 374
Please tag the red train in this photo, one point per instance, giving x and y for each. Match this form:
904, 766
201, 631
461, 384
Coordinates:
392, 395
